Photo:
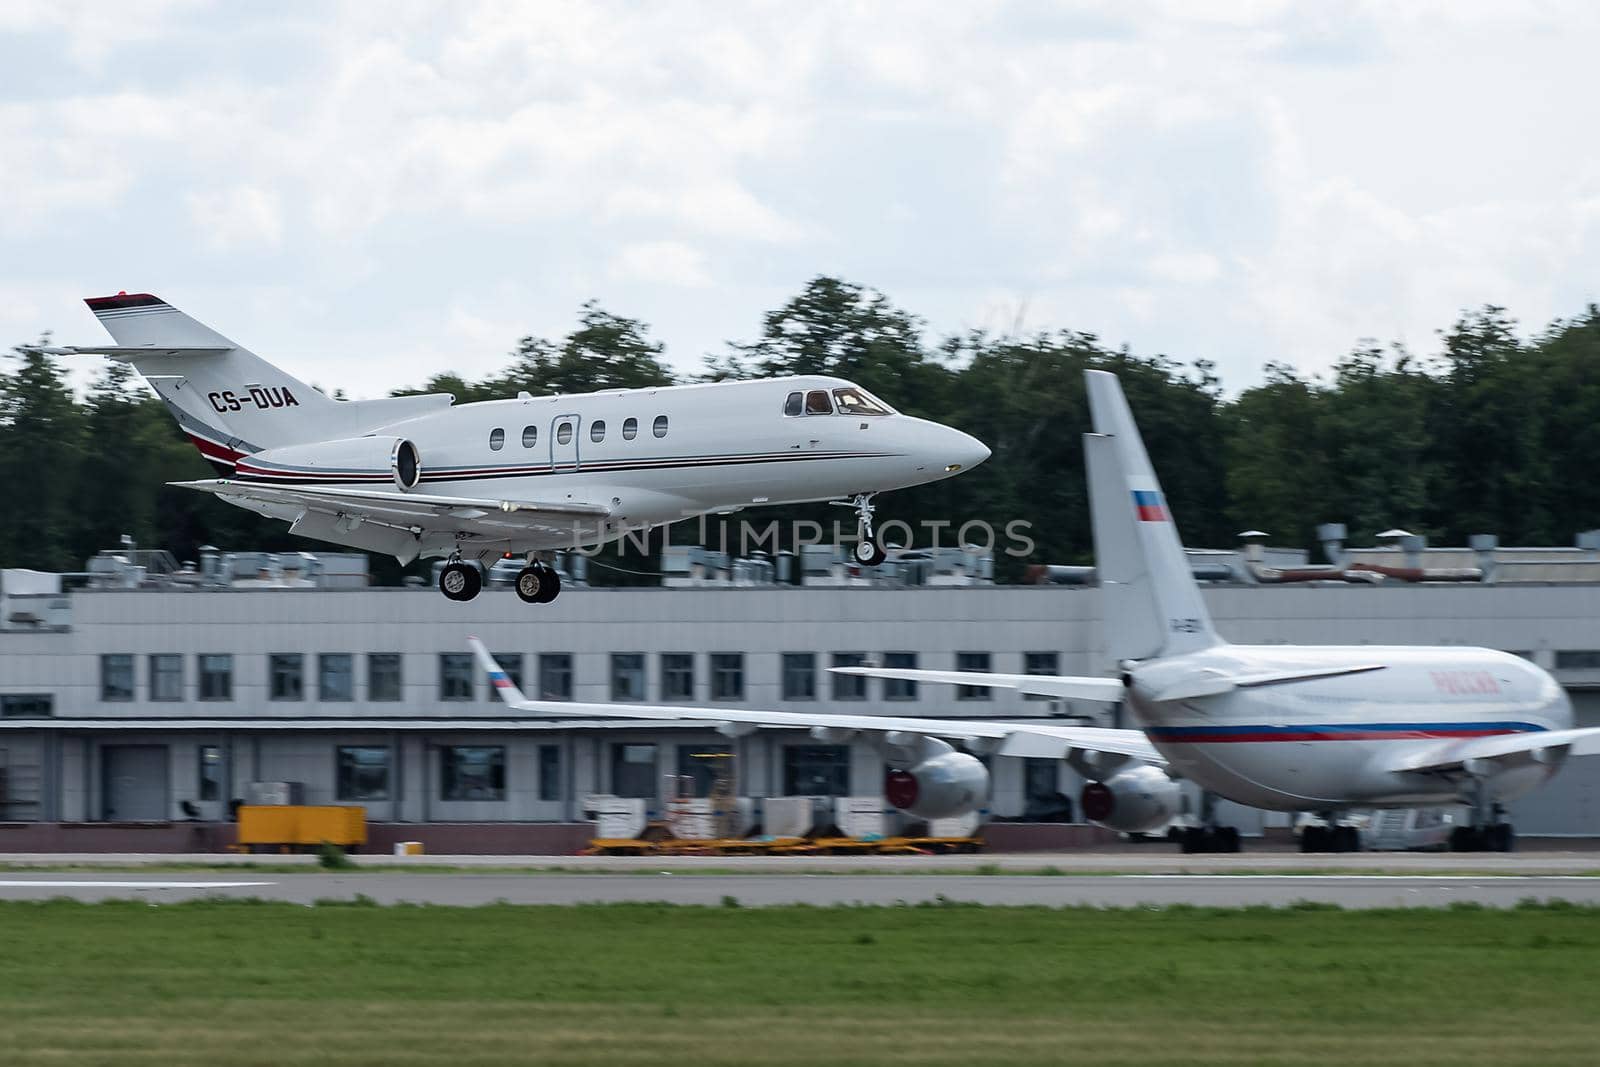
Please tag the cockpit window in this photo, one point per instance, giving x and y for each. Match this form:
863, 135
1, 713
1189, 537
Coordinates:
853, 401
795, 404
817, 403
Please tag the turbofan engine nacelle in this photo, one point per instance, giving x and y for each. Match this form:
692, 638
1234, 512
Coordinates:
1133, 801
951, 783
356, 460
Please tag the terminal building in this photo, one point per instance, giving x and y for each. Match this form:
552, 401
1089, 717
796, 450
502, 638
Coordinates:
139, 701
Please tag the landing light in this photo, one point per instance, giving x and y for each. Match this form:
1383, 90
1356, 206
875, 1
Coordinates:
951, 468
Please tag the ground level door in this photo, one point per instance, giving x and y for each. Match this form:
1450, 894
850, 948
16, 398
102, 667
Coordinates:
134, 783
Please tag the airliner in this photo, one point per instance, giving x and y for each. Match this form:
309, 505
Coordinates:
1324, 729
419, 476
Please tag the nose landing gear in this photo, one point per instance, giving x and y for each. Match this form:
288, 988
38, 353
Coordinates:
867, 551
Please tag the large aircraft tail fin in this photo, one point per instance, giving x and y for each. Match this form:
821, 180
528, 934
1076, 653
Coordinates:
229, 401
1151, 602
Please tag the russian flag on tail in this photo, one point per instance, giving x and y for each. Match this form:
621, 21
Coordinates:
500, 679
1149, 507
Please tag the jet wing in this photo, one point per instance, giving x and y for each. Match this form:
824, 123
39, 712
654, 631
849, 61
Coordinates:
1104, 690
999, 738
398, 523
1542, 746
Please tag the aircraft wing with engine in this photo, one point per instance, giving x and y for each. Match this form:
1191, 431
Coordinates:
405, 525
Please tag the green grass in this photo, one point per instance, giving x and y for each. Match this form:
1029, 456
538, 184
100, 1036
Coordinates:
268, 983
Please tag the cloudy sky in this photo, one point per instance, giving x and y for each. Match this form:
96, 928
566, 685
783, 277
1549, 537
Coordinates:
372, 193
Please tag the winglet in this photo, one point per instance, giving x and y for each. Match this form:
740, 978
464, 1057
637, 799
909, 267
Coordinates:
503, 685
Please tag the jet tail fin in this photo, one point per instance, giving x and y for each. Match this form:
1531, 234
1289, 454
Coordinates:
1151, 602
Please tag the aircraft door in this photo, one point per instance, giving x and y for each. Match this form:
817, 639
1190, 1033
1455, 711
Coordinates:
564, 443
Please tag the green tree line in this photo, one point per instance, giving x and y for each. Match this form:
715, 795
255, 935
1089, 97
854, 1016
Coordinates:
1491, 433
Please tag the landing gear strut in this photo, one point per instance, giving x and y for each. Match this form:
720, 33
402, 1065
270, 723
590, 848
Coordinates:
867, 551
1489, 831
460, 581
1208, 836
538, 583
1330, 838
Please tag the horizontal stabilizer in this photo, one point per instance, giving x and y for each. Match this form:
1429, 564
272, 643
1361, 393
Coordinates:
126, 353
1104, 690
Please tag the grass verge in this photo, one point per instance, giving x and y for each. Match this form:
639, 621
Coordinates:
346, 984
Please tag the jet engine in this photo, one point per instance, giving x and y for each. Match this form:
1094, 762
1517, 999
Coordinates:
943, 785
354, 460
1136, 800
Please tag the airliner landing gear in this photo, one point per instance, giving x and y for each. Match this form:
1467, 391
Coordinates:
1489, 831
1330, 838
460, 581
1208, 836
867, 551
538, 583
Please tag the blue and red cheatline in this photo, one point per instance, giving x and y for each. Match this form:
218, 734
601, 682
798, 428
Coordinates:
1149, 506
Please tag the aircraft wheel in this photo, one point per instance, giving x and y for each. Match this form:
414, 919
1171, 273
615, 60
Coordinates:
552, 585
460, 581
530, 584
1347, 839
868, 553
1311, 839
1228, 839
1502, 838
1466, 839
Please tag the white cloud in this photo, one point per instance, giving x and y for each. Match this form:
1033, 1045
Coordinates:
660, 263
237, 218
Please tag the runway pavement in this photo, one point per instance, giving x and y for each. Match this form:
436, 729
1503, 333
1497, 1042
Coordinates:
388, 887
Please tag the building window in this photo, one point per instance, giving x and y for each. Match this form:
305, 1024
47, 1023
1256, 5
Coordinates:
677, 676
472, 772
216, 676
363, 772
702, 765
1578, 659
799, 676
116, 676
633, 770
530, 436
895, 688
973, 661
630, 429
597, 430
816, 770
286, 676
627, 676
336, 676
511, 663
27, 705
727, 676
794, 404
455, 675
210, 776
383, 676
659, 427
497, 439
166, 676
849, 686
555, 676
549, 772
1040, 663
1042, 798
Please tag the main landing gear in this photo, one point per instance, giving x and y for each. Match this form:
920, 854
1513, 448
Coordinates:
1330, 838
1489, 831
1208, 836
460, 581
538, 583
867, 551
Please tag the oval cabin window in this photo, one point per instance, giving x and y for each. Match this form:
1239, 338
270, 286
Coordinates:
564, 434
497, 439
659, 428
630, 429
530, 436
597, 431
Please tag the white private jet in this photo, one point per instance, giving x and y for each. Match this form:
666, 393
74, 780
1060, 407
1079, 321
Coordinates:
415, 476
1314, 728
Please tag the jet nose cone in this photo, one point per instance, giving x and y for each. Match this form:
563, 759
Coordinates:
964, 451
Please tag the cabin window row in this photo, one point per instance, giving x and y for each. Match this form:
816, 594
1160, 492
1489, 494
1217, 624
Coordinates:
564, 432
